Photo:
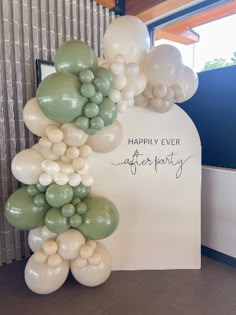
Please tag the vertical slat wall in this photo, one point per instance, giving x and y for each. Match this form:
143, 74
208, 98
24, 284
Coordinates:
29, 30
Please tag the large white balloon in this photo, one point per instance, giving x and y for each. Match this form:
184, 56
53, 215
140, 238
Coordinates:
35, 120
126, 35
73, 136
163, 64
69, 243
37, 236
92, 275
42, 279
26, 166
188, 83
137, 83
107, 139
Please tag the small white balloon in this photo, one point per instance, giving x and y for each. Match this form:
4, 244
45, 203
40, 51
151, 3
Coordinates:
73, 136
74, 180
70, 243
48, 154
92, 275
50, 167
84, 170
115, 96
42, 279
87, 180
169, 95
160, 90
45, 179
148, 92
117, 68
61, 179
132, 69
26, 166
120, 82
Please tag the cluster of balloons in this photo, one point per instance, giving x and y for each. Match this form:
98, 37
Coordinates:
74, 114
56, 254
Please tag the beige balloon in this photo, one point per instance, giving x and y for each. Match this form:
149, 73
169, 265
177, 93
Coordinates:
73, 136
26, 166
93, 275
69, 243
107, 139
35, 120
42, 279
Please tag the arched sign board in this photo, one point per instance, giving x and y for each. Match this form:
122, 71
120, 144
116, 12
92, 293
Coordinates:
154, 179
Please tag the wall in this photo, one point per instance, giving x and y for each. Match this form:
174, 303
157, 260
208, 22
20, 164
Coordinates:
30, 30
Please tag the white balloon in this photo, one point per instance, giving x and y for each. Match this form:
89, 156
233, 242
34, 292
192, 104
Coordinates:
42, 279
160, 90
115, 96
45, 179
61, 179
169, 95
126, 35
188, 83
73, 136
46, 234
26, 166
120, 82
132, 69
127, 93
137, 83
50, 167
35, 120
74, 180
117, 68
148, 92
163, 64
87, 180
48, 154
35, 239
69, 244
107, 139
141, 100
93, 275
122, 106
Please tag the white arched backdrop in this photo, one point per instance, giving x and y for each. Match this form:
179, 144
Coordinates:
154, 178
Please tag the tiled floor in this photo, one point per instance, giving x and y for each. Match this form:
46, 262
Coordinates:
209, 291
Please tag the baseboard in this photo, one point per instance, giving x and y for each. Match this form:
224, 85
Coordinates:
214, 254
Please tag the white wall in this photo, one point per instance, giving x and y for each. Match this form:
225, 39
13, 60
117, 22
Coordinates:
219, 210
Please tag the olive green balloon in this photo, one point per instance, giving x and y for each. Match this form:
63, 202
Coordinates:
59, 195
97, 98
75, 220
91, 110
81, 191
40, 200
107, 111
74, 56
68, 210
56, 222
87, 90
21, 212
97, 123
102, 86
32, 190
86, 76
81, 208
41, 188
59, 98
101, 218
105, 75
82, 122
91, 132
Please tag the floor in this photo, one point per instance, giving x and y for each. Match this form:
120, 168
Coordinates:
209, 291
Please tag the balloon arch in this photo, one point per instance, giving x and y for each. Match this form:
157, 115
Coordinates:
75, 113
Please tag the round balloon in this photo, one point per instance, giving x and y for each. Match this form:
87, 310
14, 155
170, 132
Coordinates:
56, 222
59, 98
163, 64
59, 195
69, 244
101, 218
26, 166
73, 136
107, 111
91, 275
126, 35
74, 56
42, 279
35, 120
21, 212
107, 139
81, 191
37, 236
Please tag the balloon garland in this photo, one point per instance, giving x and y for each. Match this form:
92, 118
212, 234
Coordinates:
74, 113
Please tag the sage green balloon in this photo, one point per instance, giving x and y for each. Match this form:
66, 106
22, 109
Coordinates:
107, 111
91, 110
101, 218
97, 123
59, 98
97, 98
74, 56
32, 190
103, 75
40, 200
86, 76
21, 212
91, 132
41, 188
59, 195
81, 191
56, 222
87, 90
68, 210
82, 122
75, 220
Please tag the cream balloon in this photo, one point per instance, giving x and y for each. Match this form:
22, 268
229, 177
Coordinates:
35, 120
45, 179
69, 244
26, 166
42, 279
141, 100
189, 84
107, 139
163, 64
126, 35
37, 236
137, 83
93, 275
73, 136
